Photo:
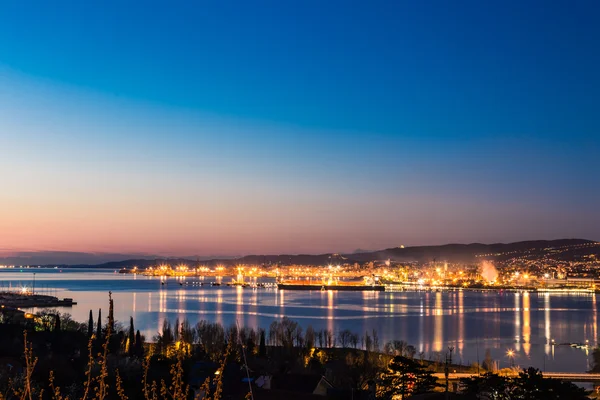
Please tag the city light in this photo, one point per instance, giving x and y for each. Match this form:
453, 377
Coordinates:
517, 272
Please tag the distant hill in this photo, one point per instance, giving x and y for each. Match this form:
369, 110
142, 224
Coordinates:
566, 249
305, 259
82, 259
467, 253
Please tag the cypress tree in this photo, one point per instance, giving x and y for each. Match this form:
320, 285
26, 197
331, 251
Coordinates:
91, 325
131, 340
56, 322
99, 327
139, 348
250, 345
262, 348
111, 317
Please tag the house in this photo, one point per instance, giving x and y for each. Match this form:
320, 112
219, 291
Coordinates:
292, 386
234, 378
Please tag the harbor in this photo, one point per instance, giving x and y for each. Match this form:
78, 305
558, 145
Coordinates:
28, 300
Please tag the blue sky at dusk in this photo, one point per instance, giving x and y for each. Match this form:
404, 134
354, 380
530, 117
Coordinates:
296, 126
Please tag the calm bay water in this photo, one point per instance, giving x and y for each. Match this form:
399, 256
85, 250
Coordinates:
471, 322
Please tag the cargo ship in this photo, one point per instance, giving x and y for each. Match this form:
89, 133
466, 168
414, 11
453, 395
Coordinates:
346, 286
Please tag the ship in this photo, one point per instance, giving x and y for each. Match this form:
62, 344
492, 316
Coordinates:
349, 287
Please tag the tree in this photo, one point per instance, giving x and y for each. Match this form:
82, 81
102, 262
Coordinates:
131, 339
330, 338
368, 342
111, 315
320, 337
99, 327
405, 377
488, 386
344, 338
354, 340
187, 334
375, 337
284, 333
388, 348
90, 330
360, 368
139, 345
410, 351
298, 337
309, 337
530, 385
46, 319
396, 347
251, 342
57, 322
211, 338
262, 347
165, 338
488, 362
176, 330
596, 357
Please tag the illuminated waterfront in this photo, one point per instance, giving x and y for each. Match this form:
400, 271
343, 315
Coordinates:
470, 321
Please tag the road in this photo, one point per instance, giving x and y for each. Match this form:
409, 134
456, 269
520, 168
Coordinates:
563, 376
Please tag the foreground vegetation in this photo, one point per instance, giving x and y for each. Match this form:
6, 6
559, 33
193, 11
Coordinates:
59, 359
529, 384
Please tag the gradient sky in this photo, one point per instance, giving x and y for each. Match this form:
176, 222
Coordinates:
234, 127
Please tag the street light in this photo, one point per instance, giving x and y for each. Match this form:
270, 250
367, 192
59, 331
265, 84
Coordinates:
448, 363
511, 355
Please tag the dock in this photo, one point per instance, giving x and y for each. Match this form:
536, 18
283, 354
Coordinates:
19, 300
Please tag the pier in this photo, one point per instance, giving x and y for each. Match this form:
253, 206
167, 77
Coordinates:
25, 300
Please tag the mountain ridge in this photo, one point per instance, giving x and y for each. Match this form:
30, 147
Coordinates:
451, 252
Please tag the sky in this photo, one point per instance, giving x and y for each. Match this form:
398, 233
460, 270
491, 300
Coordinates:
237, 127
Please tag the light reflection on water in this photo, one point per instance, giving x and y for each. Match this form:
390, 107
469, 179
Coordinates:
471, 322
526, 324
